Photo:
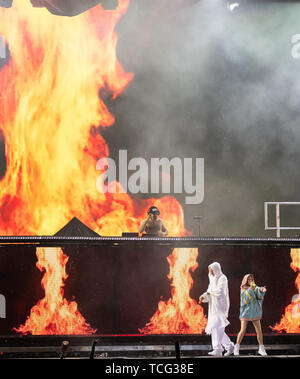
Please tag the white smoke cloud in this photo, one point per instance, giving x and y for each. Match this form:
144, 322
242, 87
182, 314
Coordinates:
223, 86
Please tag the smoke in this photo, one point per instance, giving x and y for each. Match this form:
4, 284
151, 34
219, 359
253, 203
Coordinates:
218, 85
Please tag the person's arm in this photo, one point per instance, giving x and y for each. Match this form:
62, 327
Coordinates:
222, 282
260, 292
164, 230
204, 298
144, 224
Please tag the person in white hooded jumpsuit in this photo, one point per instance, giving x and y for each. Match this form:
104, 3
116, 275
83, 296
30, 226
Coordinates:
217, 296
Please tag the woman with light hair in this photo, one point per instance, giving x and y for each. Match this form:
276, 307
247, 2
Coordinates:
251, 310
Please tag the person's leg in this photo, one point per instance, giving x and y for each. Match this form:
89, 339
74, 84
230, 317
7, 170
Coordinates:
240, 337
226, 342
242, 332
259, 334
216, 341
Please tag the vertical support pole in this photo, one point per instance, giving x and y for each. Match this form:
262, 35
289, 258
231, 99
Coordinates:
64, 348
277, 220
177, 350
266, 216
92, 353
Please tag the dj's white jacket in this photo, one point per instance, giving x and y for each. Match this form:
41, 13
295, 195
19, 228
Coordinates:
217, 296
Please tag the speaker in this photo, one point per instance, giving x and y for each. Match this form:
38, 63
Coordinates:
66, 7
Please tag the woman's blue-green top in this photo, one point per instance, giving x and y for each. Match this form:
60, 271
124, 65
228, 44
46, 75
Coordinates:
251, 303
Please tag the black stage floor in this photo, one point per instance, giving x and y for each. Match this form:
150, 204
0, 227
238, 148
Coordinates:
139, 346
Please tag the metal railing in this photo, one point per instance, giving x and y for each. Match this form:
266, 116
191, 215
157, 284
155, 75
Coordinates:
278, 227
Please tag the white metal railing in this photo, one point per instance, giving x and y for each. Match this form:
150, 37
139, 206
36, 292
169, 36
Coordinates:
278, 227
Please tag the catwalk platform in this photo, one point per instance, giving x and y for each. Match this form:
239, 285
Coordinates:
140, 346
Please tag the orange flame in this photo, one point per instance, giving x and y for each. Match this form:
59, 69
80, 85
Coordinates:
290, 321
50, 117
50, 101
180, 314
54, 314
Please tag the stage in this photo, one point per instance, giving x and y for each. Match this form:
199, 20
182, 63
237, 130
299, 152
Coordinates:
118, 282
172, 242
112, 121
140, 346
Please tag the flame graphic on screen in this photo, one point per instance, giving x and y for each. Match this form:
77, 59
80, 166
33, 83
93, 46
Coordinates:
290, 321
50, 107
54, 314
180, 314
52, 114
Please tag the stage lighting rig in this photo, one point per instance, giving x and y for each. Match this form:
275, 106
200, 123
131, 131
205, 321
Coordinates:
66, 7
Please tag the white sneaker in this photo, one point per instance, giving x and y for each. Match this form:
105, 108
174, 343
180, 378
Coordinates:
236, 350
215, 353
262, 351
230, 350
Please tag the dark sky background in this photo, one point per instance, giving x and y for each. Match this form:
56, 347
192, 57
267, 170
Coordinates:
219, 85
